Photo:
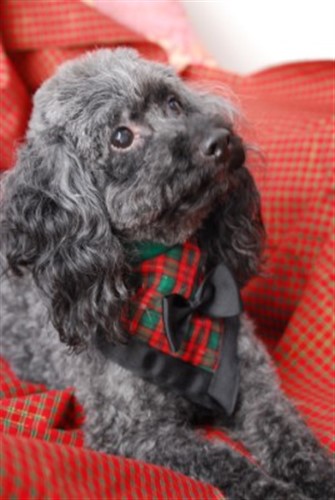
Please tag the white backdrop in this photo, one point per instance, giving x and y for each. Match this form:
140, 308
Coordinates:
247, 35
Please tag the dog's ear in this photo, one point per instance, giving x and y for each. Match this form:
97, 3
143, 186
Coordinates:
55, 223
234, 231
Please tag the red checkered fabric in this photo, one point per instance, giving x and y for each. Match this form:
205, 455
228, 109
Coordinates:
42, 454
31, 410
289, 113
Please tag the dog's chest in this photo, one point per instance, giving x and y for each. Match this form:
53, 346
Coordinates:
183, 326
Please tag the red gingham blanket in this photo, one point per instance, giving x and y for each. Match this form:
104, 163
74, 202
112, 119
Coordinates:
289, 113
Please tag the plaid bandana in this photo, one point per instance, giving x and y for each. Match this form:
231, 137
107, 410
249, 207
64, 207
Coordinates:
194, 358
163, 271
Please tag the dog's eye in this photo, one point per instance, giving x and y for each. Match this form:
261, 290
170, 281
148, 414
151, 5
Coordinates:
174, 104
122, 138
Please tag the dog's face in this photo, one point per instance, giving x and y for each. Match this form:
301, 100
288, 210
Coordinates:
118, 150
160, 153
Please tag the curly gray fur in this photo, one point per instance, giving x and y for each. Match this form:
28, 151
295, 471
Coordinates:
72, 205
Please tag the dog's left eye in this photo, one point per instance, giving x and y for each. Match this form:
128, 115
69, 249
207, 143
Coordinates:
122, 138
174, 104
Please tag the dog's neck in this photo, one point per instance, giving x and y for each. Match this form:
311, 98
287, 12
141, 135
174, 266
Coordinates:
144, 250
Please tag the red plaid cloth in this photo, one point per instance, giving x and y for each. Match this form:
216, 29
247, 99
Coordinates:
291, 112
291, 109
42, 454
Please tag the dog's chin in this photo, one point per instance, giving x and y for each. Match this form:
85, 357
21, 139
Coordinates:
172, 226
171, 231
178, 221
175, 226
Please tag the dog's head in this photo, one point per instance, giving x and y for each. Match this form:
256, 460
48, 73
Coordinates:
119, 150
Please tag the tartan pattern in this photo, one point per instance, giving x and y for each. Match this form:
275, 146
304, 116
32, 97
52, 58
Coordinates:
290, 109
174, 271
42, 454
31, 410
73, 473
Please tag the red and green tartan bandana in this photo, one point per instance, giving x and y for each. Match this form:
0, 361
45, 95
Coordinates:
172, 270
183, 326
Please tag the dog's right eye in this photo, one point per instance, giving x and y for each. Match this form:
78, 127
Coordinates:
174, 104
122, 138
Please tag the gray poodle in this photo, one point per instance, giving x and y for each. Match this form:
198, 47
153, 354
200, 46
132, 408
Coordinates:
120, 152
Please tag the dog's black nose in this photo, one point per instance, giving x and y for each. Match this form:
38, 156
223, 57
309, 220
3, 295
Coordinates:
216, 144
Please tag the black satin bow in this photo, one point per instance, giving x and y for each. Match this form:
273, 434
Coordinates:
217, 297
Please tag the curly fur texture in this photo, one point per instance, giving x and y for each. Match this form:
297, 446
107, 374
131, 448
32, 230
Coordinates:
71, 206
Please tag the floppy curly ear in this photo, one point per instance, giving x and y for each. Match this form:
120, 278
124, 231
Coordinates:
234, 231
55, 224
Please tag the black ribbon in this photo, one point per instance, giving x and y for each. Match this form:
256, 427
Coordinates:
217, 297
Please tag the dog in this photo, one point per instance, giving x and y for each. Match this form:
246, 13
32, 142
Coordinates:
120, 152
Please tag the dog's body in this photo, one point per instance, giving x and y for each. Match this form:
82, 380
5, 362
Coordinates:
119, 151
